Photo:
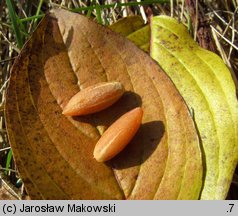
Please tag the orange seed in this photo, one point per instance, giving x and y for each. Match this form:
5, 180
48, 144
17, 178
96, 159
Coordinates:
118, 135
94, 98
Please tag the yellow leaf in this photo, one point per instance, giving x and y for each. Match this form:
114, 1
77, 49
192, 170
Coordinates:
141, 38
207, 87
127, 25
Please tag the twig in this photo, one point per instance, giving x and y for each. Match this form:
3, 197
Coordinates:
5, 149
172, 8
4, 85
196, 21
10, 43
7, 60
224, 57
224, 38
142, 11
8, 169
226, 23
9, 189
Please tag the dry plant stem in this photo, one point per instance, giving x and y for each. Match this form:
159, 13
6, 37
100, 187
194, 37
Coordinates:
200, 25
118, 135
142, 11
223, 21
224, 38
224, 56
13, 194
94, 98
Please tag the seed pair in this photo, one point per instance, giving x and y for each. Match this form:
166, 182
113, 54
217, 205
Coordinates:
96, 98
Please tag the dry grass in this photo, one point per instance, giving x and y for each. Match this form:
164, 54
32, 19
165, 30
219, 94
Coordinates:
221, 17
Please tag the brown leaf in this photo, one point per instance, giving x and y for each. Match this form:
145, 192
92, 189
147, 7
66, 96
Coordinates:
54, 153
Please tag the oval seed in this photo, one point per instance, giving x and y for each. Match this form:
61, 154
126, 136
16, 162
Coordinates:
94, 98
118, 135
